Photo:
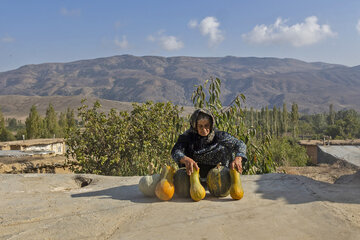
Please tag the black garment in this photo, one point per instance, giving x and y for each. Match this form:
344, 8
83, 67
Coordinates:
208, 151
223, 148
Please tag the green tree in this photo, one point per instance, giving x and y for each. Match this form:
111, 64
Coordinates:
51, 122
33, 124
70, 118
20, 134
284, 120
252, 117
5, 134
2, 120
275, 123
294, 119
267, 120
62, 124
319, 124
12, 123
331, 115
349, 122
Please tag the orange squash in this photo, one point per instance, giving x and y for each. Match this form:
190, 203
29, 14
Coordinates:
165, 188
197, 191
236, 190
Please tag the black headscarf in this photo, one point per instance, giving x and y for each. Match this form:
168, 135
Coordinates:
193, 121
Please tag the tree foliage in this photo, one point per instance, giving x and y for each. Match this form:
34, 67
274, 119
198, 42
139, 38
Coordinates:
135, 143
51, 123
33, 124
5, 134
231, 119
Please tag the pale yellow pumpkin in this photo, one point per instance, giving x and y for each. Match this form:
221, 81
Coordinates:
147, 184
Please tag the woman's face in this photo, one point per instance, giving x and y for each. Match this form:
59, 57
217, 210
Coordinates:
203, 127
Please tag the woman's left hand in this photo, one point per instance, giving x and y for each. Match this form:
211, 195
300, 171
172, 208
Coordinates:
237, 164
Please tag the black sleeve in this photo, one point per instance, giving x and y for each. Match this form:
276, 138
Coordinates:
178, 151
237, 146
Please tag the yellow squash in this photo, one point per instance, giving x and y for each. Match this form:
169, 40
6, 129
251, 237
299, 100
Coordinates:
165, 188
236, 190
197, 191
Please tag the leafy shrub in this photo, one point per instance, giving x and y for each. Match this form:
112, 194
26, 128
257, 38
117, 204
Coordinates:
135, 143
287, 152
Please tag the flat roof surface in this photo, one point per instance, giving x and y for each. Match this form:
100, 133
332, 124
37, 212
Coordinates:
332, 142
274, 206
350, 154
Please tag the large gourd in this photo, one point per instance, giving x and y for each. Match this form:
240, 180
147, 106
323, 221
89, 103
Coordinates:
197, 191
182, 183
165, 188
147, 184
236, 190
218, 181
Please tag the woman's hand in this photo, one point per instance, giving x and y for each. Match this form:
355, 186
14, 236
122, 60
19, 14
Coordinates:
189, 164
237, 164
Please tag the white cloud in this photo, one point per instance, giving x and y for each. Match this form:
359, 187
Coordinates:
300, 34
209, 26
123, 44
171, 43
193, 24
358, 26
168, 43
7, 39
70, 12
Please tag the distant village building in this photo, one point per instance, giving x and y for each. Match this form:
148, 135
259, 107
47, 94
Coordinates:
331, 151
50, 146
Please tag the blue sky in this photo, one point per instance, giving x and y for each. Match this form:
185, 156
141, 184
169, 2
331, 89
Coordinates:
35, 31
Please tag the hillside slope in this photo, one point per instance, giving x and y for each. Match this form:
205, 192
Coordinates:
127, 78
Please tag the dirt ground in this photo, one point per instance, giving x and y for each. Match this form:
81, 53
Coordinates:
321, 172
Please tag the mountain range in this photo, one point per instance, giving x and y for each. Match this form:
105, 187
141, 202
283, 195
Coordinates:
126, 78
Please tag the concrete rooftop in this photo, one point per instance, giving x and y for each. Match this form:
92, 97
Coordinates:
275, 206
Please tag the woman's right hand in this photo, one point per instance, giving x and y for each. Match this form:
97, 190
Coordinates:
189, 164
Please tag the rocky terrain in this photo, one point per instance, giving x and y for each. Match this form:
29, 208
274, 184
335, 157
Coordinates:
127, 78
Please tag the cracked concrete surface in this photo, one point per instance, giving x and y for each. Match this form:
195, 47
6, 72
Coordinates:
275, 206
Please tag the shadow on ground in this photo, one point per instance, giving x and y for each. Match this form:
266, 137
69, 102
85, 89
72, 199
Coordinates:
300, 189
294, 189
126, 193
